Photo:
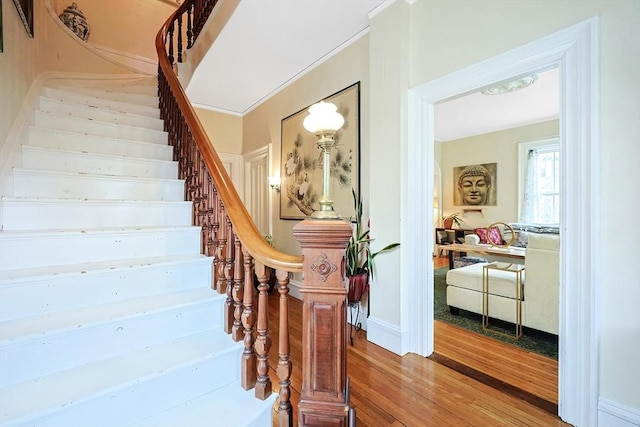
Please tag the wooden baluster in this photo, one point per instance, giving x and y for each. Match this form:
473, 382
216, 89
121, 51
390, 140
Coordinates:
207, 218
228, 275
171, 43
284, 369
324, 322
217, 253
248, 365
221, 283
237, 331
180, 39
189, 26
263, 341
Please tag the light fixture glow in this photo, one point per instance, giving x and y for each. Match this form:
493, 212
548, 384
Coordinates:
323, 116
511, 86
274, 183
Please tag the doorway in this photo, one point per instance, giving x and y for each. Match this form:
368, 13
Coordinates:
573, 50
491, 126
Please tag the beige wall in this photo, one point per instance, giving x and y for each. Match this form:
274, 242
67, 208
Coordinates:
262, 125
444, 40
17, 67
224, 130
496, 147
24, 59
125, 25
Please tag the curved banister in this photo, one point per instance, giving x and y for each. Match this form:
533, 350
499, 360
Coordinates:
241, 254
244, 227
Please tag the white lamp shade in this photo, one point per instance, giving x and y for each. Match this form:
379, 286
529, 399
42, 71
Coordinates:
323, 116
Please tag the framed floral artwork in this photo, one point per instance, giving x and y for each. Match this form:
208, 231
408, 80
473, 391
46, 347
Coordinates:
301, 165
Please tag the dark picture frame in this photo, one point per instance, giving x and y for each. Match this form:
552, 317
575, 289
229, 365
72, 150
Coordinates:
1, 36
490, 173
301, 161
25, 10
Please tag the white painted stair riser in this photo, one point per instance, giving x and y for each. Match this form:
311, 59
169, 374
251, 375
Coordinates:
100, 114
40, 249
77, 161
143, 86
73, 141
146, 382
23, 295
92, 127
63, 185
223, 405
49, 351
56, 214
115, 94
102, 103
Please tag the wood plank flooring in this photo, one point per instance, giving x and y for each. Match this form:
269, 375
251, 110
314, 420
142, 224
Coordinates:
535, 376
390, 390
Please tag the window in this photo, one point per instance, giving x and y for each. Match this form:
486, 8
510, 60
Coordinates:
539, 167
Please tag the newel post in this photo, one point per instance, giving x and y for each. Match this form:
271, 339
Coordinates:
324, 396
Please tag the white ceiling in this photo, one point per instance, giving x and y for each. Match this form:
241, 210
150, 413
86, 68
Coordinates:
476, 114
267, 44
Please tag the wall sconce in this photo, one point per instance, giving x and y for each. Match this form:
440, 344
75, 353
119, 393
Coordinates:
274, 183
324, 120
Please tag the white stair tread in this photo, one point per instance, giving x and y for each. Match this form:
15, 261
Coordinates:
85, 231
100, 138
79, 384
222, 405
80, 98
18, 199
84, 110
84, 162
142, 85
113, 94
11, 277
105, 156
15, 331
40, 172
78, 120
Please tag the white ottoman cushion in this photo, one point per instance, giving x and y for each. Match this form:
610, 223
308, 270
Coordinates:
470, 277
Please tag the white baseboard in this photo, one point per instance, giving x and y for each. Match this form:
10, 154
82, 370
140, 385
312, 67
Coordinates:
294, 289
613, 414
386, 335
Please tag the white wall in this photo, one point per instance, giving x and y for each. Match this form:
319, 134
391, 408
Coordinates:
444, 40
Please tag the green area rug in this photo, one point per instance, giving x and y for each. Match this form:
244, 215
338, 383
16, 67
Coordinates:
533, 340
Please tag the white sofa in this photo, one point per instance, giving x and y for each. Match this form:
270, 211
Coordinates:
541, 287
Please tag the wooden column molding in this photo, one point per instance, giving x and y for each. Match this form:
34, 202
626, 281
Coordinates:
324, 396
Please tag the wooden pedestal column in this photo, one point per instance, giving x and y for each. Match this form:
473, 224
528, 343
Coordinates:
324, 396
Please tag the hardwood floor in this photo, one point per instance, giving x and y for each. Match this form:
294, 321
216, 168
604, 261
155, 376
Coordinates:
527, 374
390, 390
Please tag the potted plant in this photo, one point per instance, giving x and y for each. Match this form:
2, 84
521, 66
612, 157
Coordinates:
360, 258
449, 220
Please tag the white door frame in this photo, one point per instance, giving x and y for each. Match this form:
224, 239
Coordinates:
574, 51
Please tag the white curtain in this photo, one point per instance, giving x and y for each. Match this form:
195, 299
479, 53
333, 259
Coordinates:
527, 204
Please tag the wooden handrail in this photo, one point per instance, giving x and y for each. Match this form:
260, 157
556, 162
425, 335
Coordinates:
246, 230
241, 254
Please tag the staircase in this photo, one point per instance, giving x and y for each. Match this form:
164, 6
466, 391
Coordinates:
107, 317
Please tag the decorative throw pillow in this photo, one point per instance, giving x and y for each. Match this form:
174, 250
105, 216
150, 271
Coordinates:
493, 237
